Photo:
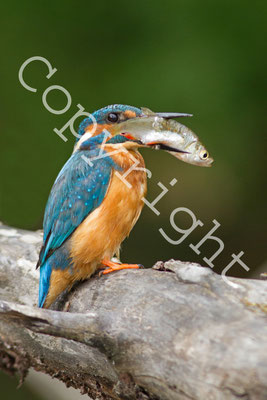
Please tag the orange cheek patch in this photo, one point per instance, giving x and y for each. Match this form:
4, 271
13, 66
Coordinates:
99, 129
129, 114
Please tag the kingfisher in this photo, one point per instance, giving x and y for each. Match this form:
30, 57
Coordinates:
98, 195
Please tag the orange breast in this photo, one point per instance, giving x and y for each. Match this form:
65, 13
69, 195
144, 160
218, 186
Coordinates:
99, 236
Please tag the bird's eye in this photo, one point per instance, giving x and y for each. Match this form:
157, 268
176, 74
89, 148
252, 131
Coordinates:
204, 154
113, 117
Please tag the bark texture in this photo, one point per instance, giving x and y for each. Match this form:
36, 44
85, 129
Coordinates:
175, 331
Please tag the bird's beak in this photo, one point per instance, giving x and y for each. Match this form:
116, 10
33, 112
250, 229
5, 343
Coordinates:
168, 115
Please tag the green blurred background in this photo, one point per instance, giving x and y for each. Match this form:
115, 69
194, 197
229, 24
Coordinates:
203, 57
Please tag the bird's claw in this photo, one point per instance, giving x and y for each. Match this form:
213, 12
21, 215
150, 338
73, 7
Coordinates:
116, 267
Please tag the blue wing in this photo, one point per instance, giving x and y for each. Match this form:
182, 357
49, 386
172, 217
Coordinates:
78, 190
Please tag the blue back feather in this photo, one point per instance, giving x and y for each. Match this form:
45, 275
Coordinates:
78, 190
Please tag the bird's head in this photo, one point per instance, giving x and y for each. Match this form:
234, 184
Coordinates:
142, 127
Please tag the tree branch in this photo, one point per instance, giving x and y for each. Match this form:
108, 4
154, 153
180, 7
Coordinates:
176, 331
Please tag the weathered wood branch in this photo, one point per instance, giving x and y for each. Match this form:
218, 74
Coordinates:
176, 331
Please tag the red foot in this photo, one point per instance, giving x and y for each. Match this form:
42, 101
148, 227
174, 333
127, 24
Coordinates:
116, 267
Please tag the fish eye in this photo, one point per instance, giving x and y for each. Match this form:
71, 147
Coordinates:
113, 117
203, 154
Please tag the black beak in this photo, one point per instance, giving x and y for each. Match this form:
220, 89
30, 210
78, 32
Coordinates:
169, 115
161, 146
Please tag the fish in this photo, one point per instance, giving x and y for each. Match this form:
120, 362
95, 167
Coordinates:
162, 132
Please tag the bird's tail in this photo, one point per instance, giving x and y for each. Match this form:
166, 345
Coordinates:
45, 273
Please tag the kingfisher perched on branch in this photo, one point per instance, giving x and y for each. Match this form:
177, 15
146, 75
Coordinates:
98, 195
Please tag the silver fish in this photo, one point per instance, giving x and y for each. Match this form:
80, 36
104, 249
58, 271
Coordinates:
158, 131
